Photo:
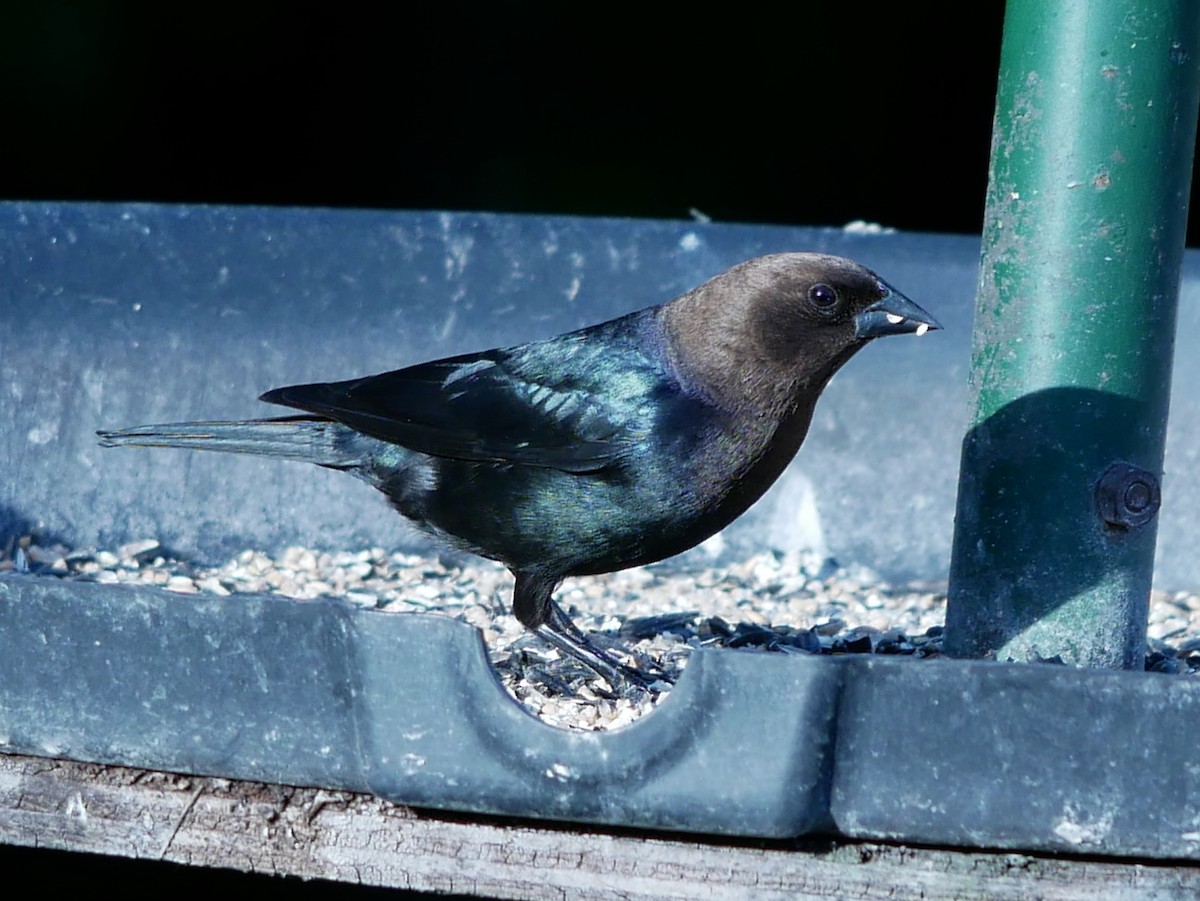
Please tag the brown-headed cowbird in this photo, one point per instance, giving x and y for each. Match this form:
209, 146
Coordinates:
604, 448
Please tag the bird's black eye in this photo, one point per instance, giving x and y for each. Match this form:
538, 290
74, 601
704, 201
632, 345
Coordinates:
823, 297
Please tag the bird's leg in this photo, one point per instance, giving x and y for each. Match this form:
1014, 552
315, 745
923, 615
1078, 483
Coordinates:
534, 606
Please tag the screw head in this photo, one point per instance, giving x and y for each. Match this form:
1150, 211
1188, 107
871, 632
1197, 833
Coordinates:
1127, 497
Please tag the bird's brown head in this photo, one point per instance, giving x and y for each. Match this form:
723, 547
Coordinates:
777, 325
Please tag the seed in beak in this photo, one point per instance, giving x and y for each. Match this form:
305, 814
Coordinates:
894, 319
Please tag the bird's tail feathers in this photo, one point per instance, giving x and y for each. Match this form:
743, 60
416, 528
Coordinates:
301, 438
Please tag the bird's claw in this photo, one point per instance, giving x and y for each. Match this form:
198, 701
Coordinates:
618, 675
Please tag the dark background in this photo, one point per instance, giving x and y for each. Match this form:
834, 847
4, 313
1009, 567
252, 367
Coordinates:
819, 117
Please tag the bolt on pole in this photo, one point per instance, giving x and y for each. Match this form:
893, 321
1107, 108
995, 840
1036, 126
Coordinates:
1083, 238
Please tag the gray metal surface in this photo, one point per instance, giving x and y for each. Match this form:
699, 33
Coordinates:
117, 315
961, 753
404, 706
1042, 756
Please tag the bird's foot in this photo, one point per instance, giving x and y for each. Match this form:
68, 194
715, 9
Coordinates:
618, 675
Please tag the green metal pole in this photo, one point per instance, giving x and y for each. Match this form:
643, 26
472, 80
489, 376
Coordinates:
1074, 329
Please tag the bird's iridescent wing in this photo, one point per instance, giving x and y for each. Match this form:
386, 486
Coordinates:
533, 405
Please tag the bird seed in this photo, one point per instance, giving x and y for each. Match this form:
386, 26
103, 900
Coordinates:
652, 616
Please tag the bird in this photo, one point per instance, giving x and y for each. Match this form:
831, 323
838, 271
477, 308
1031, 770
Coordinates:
612, 446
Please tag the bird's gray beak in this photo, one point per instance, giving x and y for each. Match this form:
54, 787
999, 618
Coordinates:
893, 314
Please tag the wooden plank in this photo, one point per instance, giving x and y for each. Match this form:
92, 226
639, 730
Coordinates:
360, 839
